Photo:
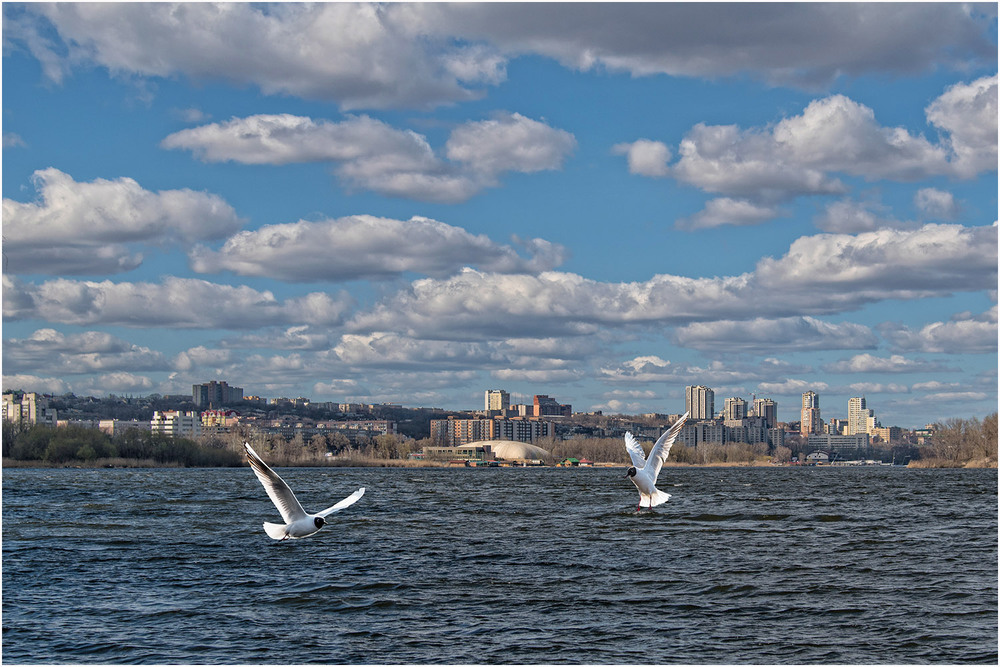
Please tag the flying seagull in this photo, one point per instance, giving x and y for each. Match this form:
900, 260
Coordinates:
297, 522
644, 471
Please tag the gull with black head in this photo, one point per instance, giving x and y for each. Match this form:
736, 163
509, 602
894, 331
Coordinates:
298, 523
644, 471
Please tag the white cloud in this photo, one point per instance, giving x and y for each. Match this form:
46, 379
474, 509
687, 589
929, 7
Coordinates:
44, 385
804, 154
645, 157
175, 303
896, 363
12, 140
81, 228
727, 211
427, 54
364, 246
863, 388
968, 113
822, 274
359, 55
370, 154
965, 333
847, 216
936, 204
785, 334
797, 44
53, 352
116, 383
791, 387
509, 142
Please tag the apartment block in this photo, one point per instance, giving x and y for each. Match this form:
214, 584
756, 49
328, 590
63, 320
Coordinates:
811, 422
700, 402
215, 394
548, 407
175, 423
28, 408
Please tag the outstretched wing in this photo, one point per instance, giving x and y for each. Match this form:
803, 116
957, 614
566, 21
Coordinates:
634, 450
277, 490
346, 502
658, 454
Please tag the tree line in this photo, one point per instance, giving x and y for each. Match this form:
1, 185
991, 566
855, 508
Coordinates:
956, 443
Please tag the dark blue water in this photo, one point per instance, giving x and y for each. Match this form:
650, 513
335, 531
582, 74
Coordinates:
743, 565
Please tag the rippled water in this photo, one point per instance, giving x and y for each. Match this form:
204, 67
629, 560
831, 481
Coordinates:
743, 565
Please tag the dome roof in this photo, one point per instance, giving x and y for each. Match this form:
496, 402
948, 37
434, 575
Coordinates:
510, 450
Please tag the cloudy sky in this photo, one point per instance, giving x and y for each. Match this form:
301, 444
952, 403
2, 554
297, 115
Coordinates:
415, 203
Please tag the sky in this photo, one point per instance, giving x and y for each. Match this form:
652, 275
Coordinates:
415, 203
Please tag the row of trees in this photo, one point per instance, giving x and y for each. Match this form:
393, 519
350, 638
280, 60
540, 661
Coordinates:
86, 445
956, 443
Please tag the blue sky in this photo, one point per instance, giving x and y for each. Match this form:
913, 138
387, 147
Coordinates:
415, 203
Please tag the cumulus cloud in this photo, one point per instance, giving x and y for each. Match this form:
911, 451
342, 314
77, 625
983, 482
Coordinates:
728, 211
791, 387
175, 303
964, 333
896, 363
804, 154
371, 155
847, 216
786, 334
364, 246
50, 351
26, 382
822, 274
968, 114
645, 157
802, 44
936, 204
358, 55
427, 54
93, 228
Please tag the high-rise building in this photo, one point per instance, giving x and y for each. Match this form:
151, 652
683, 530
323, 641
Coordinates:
860, 420
811, 421
215, 394
29, 408
549, 407
767, 410
176, 423
700, 402
497, 399
735, 410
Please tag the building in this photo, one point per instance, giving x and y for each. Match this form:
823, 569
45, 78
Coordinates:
28, 408
115, 427
497, 400
842, 445
888, 434
859, 417
453, 432
812, 423
175, 423
767, 410
215, 394
547, 407
734, 412
699, 401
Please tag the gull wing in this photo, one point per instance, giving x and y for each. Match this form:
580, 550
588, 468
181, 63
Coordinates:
277, 490
658, 454
346, 502
635, 450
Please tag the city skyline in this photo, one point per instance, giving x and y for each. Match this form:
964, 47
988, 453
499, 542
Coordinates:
601, 203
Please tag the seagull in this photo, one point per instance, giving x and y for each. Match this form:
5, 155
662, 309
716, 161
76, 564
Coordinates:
644, 471
297, 522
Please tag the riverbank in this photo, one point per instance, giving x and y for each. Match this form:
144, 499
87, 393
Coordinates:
364, 462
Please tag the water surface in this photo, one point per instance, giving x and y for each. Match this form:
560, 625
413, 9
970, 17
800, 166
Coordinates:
743, 565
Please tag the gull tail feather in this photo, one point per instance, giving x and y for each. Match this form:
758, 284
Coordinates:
658, 498
275, 530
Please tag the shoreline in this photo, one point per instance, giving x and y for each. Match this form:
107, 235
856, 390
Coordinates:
119, 463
